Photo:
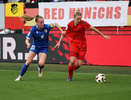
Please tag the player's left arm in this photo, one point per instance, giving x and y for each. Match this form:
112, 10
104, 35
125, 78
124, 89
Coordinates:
52, 25
97, 31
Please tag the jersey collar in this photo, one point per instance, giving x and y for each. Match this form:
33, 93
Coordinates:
38, 28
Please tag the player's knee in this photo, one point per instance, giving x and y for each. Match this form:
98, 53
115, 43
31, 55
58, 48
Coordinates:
28, 63
41, 64
71, 63
78, 65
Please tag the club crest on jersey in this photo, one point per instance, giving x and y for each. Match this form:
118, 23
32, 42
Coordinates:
14, 8
45, 30
37, 32
51, 25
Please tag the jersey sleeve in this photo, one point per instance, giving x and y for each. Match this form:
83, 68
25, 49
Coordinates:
86, 24
50, 26
29, 35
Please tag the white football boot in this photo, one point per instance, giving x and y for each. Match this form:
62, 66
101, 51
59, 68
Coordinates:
40, 73
19, 78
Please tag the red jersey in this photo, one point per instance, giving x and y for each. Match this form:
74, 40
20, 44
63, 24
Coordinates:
77, 32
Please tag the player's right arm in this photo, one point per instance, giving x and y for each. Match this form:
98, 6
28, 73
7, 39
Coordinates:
29, 35
27, 43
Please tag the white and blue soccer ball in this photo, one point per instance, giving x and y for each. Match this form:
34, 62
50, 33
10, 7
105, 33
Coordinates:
100, 78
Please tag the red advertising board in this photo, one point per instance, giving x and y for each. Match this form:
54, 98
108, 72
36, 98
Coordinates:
115, 51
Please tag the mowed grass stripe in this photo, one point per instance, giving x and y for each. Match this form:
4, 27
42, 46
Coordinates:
53, 86
64, 72
64, 68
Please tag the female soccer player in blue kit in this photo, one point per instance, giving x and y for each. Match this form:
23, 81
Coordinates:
40, 32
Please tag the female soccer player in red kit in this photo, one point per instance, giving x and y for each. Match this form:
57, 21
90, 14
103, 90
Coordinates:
76, 30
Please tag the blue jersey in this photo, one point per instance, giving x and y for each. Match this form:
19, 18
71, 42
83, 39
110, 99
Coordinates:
41, 37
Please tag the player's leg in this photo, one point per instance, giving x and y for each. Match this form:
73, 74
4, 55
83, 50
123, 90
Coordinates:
70, 67
74, 66
80, 56
42, 59
73, 53
30, 57
78, 64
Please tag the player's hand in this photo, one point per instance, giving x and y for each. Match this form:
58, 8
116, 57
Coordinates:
106, 37
64, 32
57, 45
28, 45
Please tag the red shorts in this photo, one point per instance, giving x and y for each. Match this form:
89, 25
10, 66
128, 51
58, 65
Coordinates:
78, 48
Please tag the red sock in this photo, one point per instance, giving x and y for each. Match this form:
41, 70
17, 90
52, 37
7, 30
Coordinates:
75, 67
70, 71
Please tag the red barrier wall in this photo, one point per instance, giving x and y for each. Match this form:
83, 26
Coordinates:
116, 51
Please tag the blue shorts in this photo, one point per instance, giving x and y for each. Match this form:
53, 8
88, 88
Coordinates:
39, 50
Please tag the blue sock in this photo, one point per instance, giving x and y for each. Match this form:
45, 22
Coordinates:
40, 66
23, 70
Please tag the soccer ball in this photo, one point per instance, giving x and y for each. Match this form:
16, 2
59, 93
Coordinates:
100, 78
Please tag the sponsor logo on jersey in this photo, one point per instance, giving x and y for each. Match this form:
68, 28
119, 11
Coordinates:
42, 36
51, 25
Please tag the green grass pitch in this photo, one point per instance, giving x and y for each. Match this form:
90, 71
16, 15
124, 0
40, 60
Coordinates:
53, 85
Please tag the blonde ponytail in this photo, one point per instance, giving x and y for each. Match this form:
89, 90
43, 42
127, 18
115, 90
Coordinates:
77, 12
28, 18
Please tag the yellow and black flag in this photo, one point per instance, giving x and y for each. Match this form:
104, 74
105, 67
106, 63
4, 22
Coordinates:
14, 9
